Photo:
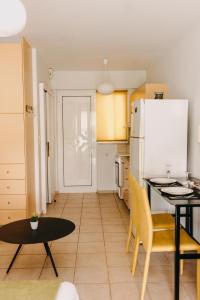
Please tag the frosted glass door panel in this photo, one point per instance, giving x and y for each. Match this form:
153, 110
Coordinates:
77, 150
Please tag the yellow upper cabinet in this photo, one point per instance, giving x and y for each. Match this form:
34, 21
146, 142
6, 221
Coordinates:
148, 90
11, 78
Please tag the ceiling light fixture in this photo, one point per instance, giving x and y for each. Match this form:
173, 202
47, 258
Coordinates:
12, 17
106, 87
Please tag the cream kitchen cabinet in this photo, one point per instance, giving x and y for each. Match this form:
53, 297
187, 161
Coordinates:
17, 187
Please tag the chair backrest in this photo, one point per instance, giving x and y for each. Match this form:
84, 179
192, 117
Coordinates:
144, 226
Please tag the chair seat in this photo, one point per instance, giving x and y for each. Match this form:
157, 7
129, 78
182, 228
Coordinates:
164, 241
163, 221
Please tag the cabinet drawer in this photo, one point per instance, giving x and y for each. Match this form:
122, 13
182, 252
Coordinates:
12, 171
12, 202
11, 187
7, 216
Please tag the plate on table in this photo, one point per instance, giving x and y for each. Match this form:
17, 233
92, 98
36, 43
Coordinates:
177, 191
163, 180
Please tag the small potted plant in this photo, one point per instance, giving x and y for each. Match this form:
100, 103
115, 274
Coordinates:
34, 221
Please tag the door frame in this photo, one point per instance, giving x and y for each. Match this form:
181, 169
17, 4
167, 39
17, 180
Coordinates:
59, 150
46, 187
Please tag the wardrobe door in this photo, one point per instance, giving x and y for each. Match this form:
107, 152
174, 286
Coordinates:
11, 78
11, 139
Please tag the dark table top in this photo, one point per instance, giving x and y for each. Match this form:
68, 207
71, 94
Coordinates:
49, 229
188, 200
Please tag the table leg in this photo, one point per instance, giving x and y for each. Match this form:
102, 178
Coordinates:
46, 246
191, 221
10, 266
177, 255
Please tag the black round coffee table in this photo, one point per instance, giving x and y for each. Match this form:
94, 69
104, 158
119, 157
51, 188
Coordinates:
49, 229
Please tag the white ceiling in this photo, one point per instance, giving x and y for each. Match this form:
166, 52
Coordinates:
78, 34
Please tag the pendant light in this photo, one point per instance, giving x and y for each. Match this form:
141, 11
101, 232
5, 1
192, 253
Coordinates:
12, 17
106, 87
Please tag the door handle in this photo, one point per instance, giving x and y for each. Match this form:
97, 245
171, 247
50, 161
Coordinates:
48, 149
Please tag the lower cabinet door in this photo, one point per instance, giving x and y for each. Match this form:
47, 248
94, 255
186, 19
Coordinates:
8, 216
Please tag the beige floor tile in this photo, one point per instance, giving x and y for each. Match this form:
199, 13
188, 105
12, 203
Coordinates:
160, 273
91, 275
165, 291
73, 204
91, 204
113, 228
108, 204
24, 274
66, 274
62, 261
90, 237
5, 261
118, 259
33, 249
2, 274
94, 210
115, 237
91, 228
87, 221
72, 210
112, 221
156, 258
190, 289
110, 215
91, 247
71, 238
91, 260
59, 248
75, 220
109, 210
75, 196
91, 215
189, 273
106, 196
7, 249
123, 274
90, 196
128, 291
94, 291
29, 261
115, 247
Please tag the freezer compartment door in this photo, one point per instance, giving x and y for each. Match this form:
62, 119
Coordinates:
137, 158
137, 119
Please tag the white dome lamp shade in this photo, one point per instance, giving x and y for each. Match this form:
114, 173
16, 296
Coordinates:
106, 87
12, 17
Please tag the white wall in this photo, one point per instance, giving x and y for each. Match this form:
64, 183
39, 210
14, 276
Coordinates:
180, 69
40, 74
89, 80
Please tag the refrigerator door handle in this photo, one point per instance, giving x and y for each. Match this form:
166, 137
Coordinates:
117, 173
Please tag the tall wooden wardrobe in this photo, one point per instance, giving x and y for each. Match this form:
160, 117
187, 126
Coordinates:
17, 184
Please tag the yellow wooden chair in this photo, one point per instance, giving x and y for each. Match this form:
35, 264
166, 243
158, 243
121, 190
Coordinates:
157, 241
160, 220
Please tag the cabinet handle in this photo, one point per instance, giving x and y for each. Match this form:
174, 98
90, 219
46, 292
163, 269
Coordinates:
8, 187
8, 202
7, 172
9, 218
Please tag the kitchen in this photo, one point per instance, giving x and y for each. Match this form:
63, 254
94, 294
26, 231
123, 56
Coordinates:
67, 70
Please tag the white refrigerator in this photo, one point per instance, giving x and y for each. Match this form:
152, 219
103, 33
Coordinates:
158, 141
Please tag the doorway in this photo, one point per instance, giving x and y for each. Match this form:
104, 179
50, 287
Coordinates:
47, 147
76, 143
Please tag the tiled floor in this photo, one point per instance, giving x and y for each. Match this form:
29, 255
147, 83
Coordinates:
93, 256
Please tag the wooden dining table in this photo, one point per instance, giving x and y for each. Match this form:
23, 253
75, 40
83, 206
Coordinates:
183, 207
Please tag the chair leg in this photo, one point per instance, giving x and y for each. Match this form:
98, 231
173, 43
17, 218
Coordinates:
135, 254
198, 279
129, 234
181, 264
145, 274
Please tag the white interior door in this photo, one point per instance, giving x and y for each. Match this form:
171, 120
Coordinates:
47, 146
76, 155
